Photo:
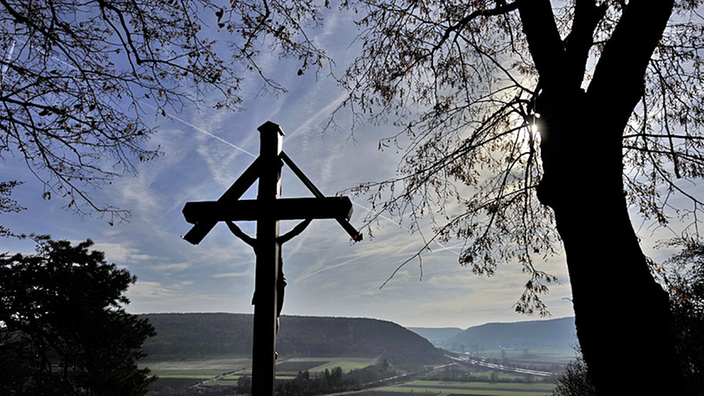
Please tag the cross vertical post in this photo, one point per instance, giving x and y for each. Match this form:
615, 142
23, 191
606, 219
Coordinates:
267, 262
266, 210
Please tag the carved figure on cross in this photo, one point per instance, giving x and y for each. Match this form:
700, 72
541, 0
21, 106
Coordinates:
267, 210
281, 279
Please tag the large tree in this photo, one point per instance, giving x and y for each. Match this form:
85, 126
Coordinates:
530, 125
63, 326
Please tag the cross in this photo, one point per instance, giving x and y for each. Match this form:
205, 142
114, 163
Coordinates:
266, 210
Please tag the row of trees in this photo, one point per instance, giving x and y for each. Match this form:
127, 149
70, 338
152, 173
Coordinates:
335, 380
529, 126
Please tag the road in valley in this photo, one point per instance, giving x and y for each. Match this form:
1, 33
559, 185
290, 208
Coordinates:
502, 367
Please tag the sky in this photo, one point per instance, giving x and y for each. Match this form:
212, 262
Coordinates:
207, 150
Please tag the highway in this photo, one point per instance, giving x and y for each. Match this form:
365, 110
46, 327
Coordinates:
467, 359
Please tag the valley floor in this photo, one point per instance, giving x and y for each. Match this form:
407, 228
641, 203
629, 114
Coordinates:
221, 376
457, 388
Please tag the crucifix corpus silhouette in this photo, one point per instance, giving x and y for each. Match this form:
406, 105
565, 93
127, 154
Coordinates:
266, 210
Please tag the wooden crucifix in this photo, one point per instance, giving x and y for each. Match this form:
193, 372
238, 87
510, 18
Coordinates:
266, 210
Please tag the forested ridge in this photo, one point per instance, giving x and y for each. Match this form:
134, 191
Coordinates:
552, 333
221, 334
528, 334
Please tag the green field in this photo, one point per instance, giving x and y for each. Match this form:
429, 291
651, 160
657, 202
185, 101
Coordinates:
469, 388
191, 374
197, 369
286, 369
315, 365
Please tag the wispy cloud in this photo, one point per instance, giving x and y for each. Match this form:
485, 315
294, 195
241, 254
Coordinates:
232, 274
174, 267
154, 290
122, 253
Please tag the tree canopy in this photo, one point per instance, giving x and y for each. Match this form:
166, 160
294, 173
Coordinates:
462, 81
7, 204
63, 326
81, 82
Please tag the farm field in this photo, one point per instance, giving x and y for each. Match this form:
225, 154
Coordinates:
226, 371
460, 388
198, 369
314, 365
289, 369
286, 367
544, 354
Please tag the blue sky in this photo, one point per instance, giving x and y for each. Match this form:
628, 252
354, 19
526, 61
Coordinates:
205, 151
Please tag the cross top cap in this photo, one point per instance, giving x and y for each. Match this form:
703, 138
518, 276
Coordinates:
270, 127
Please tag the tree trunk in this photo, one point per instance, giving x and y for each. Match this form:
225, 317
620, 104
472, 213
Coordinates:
622, 315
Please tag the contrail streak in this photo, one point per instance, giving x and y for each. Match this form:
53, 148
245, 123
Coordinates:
8, 58
201, 130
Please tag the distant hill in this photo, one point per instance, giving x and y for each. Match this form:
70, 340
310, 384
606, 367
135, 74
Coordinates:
218, 334
520, 335
438, 336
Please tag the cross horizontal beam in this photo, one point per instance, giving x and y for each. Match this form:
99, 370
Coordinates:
280, 209
238, 188
356, 235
